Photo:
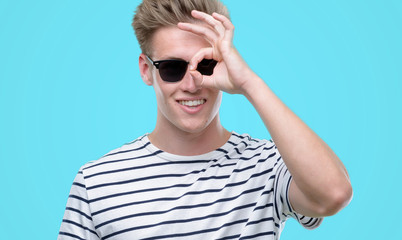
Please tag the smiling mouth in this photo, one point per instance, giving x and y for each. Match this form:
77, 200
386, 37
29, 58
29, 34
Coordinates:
192, 103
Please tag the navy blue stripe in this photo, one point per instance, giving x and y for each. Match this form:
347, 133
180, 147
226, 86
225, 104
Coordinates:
287, 191
122, 160
190, 220
244, 169
244, 158
71, 235
79, 184
181, 207
237, 146
229, 237
238, 143
80, 226
221, 150
245, 144
146, 178
197, 232
78, 197
147, 166
81, 213
130, 150
136, 140
237, 151
258, 154
315, 222
287, 200
277, 191
255, 148
308, 224
276, 224
243, 137
264, 206
223, 165
258, 235
269, 219
309, 221
138, 191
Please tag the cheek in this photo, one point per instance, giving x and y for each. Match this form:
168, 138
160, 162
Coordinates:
159, 91
163, 94
217, 104
160, 97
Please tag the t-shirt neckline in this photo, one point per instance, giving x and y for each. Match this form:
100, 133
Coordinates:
225, 148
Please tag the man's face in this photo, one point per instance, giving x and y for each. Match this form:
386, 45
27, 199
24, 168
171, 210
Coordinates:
184, 105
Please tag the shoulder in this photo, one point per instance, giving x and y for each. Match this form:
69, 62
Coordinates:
245, 148
244, 143
117, 156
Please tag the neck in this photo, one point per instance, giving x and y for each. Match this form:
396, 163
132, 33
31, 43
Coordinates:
179, 142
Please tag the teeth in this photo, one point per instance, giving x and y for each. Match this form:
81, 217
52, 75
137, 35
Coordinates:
192, 103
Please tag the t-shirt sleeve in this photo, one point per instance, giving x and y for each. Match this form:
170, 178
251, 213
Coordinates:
283, 207
77, 221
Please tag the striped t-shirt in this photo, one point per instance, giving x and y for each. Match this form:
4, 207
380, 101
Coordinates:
239, 191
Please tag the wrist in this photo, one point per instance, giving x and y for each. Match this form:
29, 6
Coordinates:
253, 85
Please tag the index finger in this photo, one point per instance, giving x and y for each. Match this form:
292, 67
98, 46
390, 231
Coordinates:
199, 56
229, 27
224, 20
206, 32
209, 19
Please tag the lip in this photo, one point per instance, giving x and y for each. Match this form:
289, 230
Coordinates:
193, 109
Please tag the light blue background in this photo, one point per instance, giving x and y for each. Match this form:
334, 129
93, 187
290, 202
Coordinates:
70, 91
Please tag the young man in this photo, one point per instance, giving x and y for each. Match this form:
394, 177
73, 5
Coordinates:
191, 178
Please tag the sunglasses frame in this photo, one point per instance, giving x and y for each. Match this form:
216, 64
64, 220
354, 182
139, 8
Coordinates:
157, 65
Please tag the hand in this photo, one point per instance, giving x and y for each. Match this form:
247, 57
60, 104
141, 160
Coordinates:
231, 73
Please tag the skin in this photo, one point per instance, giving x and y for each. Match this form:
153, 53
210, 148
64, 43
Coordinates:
320, 185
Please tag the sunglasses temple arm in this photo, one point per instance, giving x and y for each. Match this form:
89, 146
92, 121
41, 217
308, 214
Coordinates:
153, 63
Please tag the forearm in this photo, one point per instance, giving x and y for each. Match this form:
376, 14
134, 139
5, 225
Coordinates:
315, 168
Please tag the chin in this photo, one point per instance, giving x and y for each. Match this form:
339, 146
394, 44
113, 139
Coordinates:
194, 127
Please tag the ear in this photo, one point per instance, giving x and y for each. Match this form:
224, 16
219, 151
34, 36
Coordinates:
145, 70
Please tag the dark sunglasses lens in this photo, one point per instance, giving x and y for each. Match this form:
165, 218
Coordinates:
206, 66
172, 71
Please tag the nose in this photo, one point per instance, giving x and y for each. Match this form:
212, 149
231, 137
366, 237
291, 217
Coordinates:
188, 83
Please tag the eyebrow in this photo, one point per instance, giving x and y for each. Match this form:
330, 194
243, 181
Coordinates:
172, 58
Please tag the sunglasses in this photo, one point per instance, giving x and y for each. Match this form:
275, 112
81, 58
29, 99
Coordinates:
173, 70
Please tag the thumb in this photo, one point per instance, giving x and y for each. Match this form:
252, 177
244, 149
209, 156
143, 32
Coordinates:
202, 81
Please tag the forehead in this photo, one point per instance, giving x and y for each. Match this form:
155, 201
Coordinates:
172, 42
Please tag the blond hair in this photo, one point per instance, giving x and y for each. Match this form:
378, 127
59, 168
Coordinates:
152, 15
